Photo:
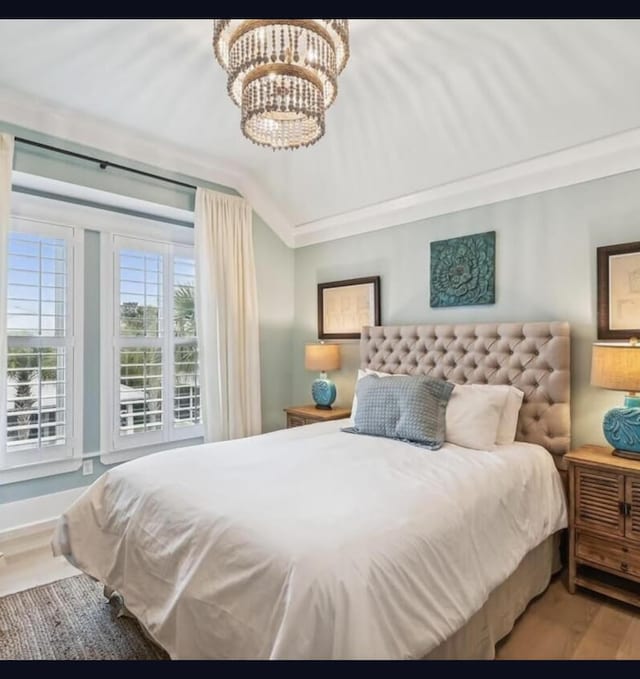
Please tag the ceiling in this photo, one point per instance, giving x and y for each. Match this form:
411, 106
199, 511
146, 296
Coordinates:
421, 103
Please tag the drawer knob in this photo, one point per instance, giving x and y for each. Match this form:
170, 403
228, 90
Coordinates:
625, 549
624, 566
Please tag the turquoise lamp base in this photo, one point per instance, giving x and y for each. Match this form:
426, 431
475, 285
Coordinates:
632, 401
323, 391
621, 427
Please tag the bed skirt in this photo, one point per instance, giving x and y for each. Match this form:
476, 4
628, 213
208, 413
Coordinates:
478, 638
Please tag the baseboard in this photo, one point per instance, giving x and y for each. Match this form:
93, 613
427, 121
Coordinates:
28, 530
28, 524
26, 538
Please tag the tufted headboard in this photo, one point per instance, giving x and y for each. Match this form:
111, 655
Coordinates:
534, 357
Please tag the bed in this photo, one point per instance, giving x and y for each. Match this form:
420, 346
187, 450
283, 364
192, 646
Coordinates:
314, 543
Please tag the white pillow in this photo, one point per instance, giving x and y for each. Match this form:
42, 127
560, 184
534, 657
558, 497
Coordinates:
510, 396
354, 403
361, 374
473, 415
510, 411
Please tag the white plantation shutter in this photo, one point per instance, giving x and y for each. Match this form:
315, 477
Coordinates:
186, 378
41, 347
155, 355
139, 325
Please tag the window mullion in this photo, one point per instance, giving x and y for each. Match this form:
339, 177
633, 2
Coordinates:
151, 342
168, 381
184, 340
114, 424
31, 341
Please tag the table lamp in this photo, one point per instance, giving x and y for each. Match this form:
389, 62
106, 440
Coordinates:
322, 357
616, 365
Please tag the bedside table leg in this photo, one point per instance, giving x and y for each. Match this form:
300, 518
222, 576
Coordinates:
572, 563
572, 531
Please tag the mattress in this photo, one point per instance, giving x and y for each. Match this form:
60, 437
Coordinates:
312, 543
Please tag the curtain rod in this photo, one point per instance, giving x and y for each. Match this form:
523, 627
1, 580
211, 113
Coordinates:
104, 164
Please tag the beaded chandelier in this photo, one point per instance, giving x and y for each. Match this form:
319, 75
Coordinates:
283, 74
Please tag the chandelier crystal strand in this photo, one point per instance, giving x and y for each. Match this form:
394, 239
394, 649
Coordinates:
282, 73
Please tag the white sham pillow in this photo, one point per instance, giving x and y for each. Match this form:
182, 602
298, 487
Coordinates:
510, 411
473, 416
361, 374
354, 403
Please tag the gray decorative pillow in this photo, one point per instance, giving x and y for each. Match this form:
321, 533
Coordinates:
411, 409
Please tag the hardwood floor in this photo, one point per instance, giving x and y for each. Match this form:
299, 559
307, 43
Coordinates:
558, 625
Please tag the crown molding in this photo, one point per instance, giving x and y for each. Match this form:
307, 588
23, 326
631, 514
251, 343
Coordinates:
593, 160
29, 112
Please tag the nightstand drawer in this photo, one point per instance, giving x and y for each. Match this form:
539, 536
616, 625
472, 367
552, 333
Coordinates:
295, 421
617, 555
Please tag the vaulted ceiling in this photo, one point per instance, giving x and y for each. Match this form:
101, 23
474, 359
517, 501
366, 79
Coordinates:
421, 103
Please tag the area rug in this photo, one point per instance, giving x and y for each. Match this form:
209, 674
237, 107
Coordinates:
69, 620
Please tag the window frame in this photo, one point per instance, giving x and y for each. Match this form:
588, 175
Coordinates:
105, 213
114, 447
38, 461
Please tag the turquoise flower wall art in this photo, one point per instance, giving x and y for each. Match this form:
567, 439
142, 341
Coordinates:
463, 270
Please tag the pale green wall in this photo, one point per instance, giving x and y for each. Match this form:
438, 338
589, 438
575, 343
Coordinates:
274, 272
274, 264
546, 270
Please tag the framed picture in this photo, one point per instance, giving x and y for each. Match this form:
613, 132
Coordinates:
619, 291
463, 270
344, 307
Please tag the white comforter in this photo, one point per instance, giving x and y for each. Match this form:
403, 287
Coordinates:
310, 542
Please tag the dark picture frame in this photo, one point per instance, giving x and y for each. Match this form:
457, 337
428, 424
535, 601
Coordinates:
618, 290
329, 296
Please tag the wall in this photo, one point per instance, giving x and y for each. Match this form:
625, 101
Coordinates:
274, 264
274, 272
546, 270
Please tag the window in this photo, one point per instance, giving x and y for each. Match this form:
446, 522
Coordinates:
42, 405
133, 386
154, 363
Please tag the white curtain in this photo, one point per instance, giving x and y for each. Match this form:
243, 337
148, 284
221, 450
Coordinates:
6, 166
227, 316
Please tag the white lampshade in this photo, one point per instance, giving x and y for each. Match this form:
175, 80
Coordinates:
322, 357
616, 366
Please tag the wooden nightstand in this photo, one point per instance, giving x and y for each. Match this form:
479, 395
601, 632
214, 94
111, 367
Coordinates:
299, 415
604, 523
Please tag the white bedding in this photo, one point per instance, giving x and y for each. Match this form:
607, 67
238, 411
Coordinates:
310, 542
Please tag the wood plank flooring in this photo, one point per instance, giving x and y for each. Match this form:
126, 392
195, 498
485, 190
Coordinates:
558, 625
